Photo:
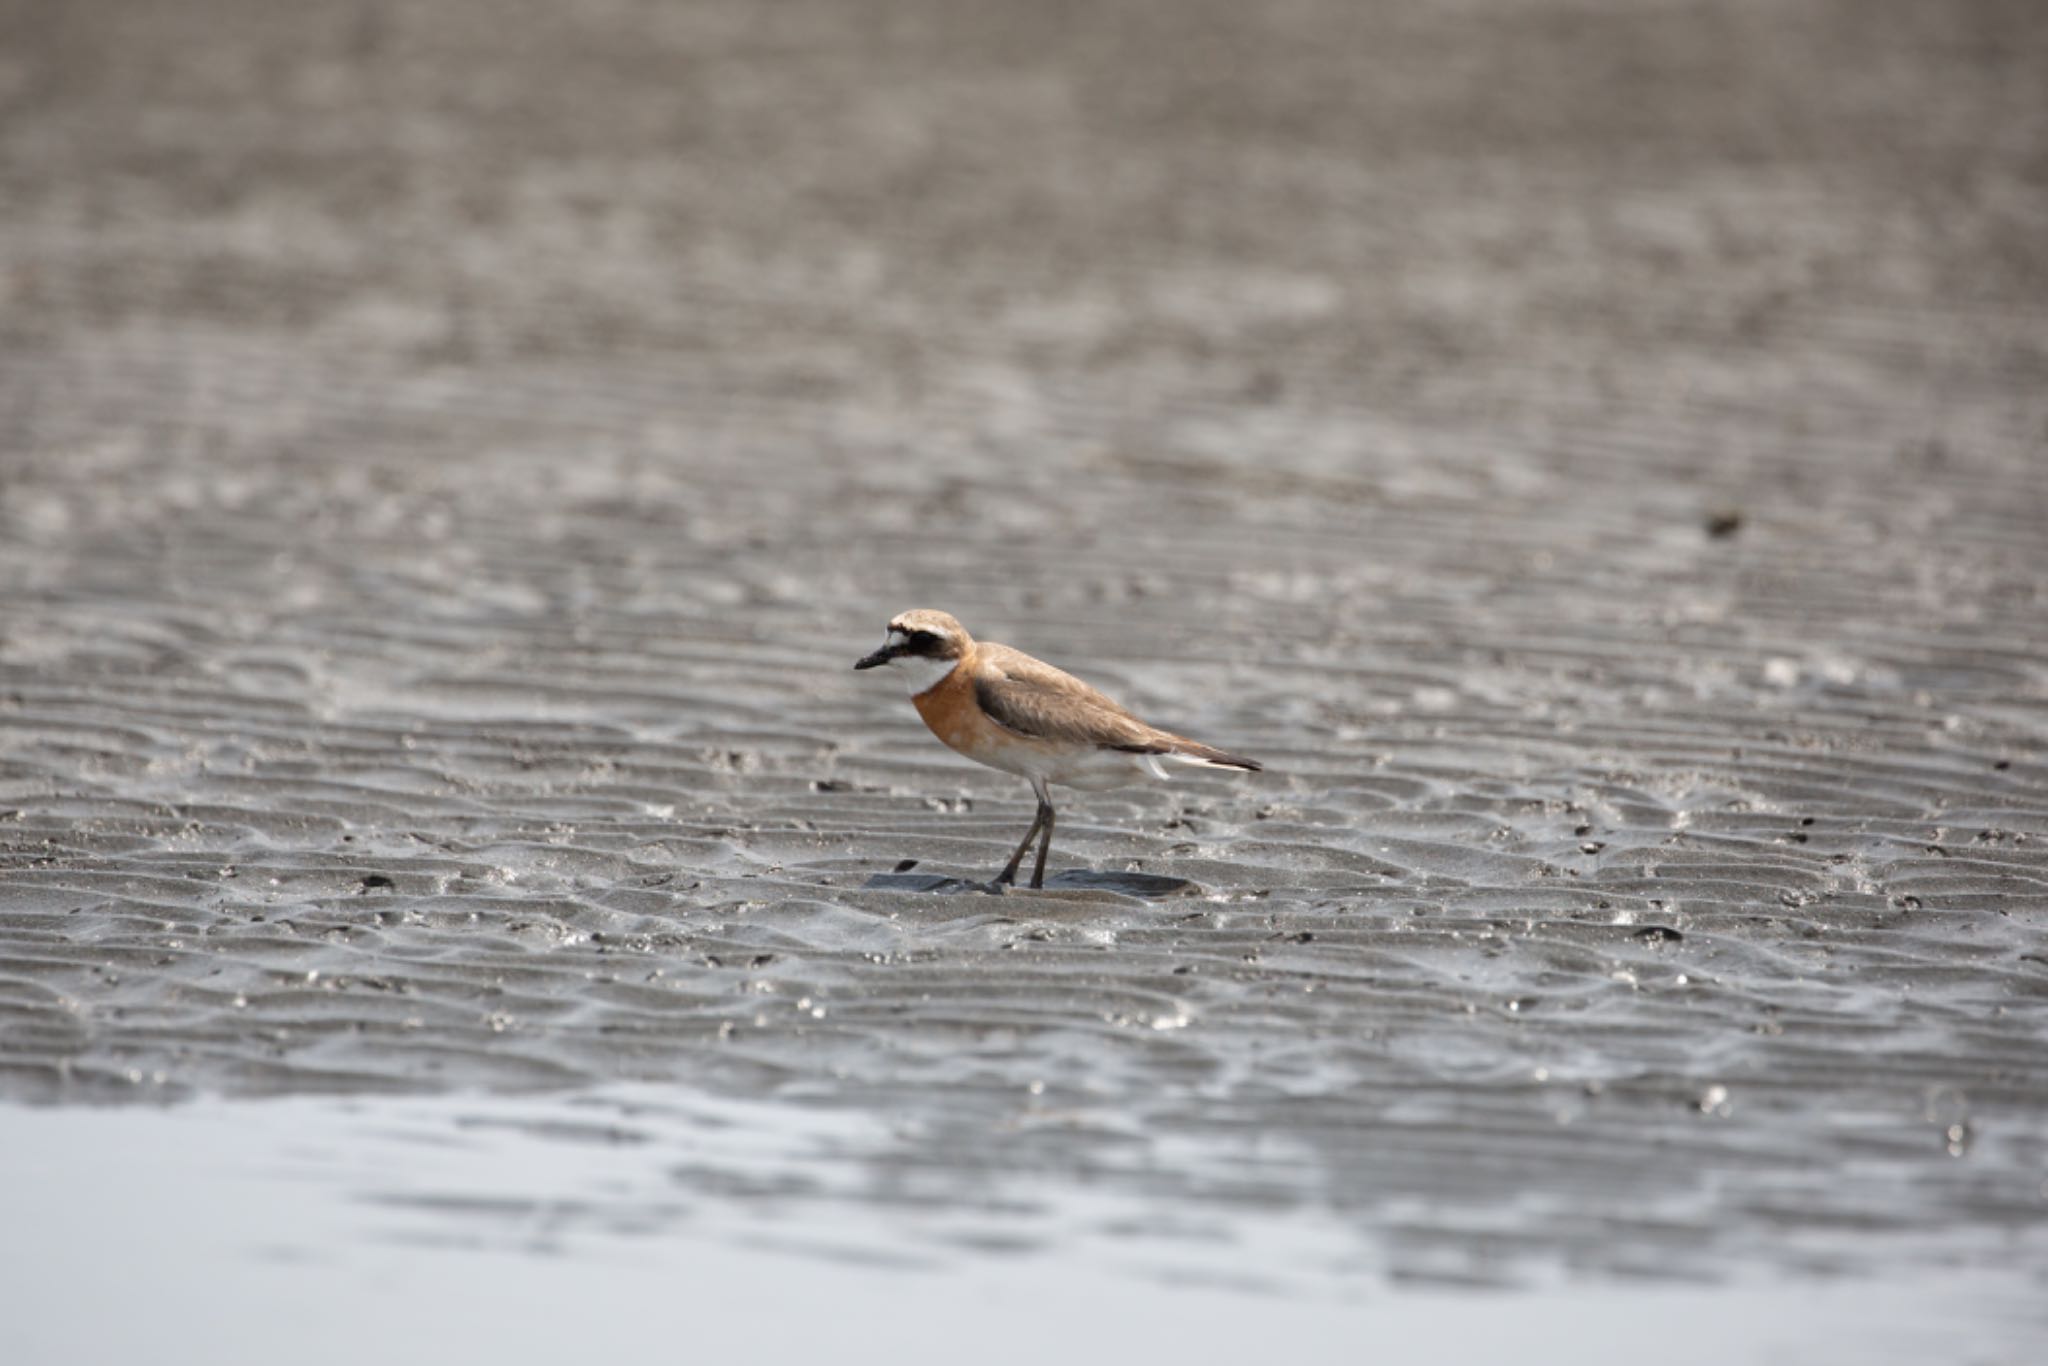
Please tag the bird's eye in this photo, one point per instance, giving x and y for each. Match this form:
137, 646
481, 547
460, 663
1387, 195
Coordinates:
922, 638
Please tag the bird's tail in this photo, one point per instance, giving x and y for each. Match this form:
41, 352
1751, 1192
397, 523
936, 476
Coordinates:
1206, 756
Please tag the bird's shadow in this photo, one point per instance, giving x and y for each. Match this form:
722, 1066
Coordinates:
1148, 886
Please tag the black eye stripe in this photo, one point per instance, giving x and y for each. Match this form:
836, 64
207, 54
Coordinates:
905, 640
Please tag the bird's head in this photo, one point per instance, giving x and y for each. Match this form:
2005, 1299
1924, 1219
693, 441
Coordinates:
920, 641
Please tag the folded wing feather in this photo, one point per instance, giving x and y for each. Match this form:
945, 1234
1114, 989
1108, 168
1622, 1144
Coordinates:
1033, 698
1074, 714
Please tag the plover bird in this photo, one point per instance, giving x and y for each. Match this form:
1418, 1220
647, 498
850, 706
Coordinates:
1001, 707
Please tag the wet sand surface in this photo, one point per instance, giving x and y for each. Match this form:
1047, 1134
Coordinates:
1595, 454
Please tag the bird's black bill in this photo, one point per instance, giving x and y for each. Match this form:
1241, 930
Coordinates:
878, 658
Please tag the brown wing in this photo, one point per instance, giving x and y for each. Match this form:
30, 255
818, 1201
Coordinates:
1033, 698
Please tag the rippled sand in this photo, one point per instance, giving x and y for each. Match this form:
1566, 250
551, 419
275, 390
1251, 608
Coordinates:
1597, 466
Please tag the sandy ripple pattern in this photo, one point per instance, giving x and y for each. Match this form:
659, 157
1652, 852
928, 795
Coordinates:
424, 641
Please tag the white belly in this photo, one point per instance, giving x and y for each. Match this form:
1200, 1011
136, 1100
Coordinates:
1092, 769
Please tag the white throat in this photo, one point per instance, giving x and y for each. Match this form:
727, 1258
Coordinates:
922, 674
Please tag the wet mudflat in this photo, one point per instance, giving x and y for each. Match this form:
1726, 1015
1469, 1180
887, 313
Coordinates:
447, 467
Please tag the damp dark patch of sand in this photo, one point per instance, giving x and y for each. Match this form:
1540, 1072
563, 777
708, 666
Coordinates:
434, 540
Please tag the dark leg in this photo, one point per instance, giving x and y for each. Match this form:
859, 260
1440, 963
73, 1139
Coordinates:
1044, 841
1009, 873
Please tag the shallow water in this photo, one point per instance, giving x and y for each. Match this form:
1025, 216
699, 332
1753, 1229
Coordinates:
523, 1229
450, 465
